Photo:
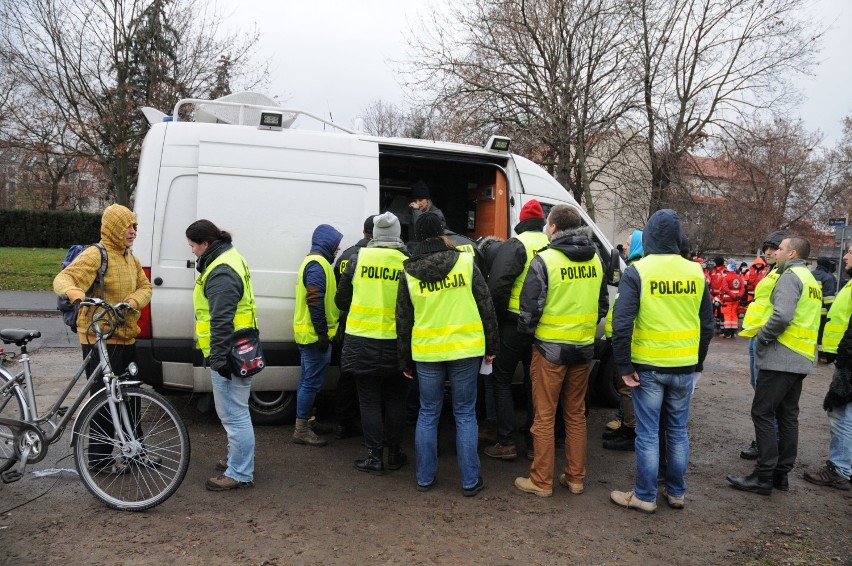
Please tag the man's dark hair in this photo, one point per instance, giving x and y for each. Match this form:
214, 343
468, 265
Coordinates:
564, 217
801, 245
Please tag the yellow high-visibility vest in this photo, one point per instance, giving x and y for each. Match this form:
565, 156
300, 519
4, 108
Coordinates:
375, 283
760, 309
447, 325
570, 313
303, 328
532, 241
608, 322
246, 313
838, 320
667, 329
801, 335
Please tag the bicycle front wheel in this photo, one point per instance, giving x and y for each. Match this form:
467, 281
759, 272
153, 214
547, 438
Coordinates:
137, 474
11, 407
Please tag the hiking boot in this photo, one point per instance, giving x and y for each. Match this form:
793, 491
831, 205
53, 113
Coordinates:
750, 451
303, 434
502, 451
674, 502
780, 482
224, 483
221, 465
752, 483
347, 429
610, 434
828, 477
629, 500
372, 464
623, 439
614, 424
488, 432
477, 487
575, 488
527, 486
318, 427
396, 458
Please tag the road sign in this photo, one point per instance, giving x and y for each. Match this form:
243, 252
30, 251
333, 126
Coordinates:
837, 221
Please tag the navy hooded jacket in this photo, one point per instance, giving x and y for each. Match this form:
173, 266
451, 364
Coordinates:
324, 242
662, 235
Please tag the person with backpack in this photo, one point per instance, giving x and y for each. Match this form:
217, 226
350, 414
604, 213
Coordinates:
124, 281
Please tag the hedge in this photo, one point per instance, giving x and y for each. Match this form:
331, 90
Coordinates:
48, 228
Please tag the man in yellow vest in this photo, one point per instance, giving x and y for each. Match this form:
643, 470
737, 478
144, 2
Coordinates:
837, 341
314, 325
505, 279
662, 325
784, 354
563, 297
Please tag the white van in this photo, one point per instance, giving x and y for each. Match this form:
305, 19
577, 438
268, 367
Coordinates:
270, 185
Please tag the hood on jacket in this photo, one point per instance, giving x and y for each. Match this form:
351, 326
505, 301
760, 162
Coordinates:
431, 266
636, 249
114, 223
325, 241
576, 243
662, 233
530, 225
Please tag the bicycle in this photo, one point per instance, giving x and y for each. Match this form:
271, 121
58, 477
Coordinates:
130, 446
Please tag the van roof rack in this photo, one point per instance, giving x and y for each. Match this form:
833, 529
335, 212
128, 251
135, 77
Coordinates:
243, 109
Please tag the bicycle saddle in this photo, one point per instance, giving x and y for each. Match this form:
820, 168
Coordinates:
18, 336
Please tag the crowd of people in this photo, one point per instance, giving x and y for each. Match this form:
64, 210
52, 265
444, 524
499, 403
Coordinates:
407, 318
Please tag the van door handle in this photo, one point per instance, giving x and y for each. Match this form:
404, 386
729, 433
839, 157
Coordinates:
190, 264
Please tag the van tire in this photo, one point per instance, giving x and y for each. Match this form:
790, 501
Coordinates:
272, 407
606, 386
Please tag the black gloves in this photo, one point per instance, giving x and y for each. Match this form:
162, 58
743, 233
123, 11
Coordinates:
322, 343
223, 369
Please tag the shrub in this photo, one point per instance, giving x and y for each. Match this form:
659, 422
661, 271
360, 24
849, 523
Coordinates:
48, 228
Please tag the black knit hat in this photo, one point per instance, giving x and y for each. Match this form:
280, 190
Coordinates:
774, 240
429, 225
368, 224
419, 190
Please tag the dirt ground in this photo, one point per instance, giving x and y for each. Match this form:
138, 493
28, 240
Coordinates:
310, 506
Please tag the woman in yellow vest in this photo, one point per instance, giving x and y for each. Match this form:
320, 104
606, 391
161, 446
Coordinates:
367, 290
224, 302
445, 323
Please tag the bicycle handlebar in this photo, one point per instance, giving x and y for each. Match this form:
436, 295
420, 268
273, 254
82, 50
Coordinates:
110, 314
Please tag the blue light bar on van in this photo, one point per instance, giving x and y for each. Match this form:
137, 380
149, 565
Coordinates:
498, 144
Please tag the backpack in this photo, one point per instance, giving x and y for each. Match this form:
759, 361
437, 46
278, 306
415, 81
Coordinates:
69, 310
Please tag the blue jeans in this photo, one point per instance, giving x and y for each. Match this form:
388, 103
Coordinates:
840, 447
655, 391
231, 399
314, 367
462, 375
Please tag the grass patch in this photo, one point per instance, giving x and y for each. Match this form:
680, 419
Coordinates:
29, 269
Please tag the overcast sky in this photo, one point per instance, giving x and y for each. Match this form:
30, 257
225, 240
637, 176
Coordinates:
334, 55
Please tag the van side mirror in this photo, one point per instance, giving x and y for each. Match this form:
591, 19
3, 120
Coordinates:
614, 268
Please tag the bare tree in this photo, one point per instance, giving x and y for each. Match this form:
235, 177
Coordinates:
553, 73
95, 62
384, 119
705, 63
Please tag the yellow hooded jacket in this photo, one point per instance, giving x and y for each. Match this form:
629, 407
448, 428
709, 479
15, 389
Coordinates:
124, 280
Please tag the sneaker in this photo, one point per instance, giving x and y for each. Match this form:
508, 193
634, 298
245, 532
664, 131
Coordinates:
627, 499
221, 465
527, 486
477, 487
502, 451
750, 451
674, 502
425, 488
614, 424
224, 483
575, 488
828, 477
150, 461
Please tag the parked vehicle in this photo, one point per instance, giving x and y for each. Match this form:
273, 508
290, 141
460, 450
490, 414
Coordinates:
270, 185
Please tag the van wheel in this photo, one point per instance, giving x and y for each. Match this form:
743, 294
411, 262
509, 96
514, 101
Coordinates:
605, 382
272, 407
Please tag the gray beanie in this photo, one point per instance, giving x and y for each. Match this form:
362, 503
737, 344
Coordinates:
386, 226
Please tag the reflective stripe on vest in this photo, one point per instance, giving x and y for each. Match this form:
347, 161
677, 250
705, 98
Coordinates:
303, 328
667, 329
246, 313
760, 309
570, 314
801, 335
532, 241
838, 320
447, 325
374, 289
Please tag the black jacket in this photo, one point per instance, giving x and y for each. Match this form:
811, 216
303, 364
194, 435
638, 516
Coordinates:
223, 290
508, 264
431, 261
660, 236
826, 279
